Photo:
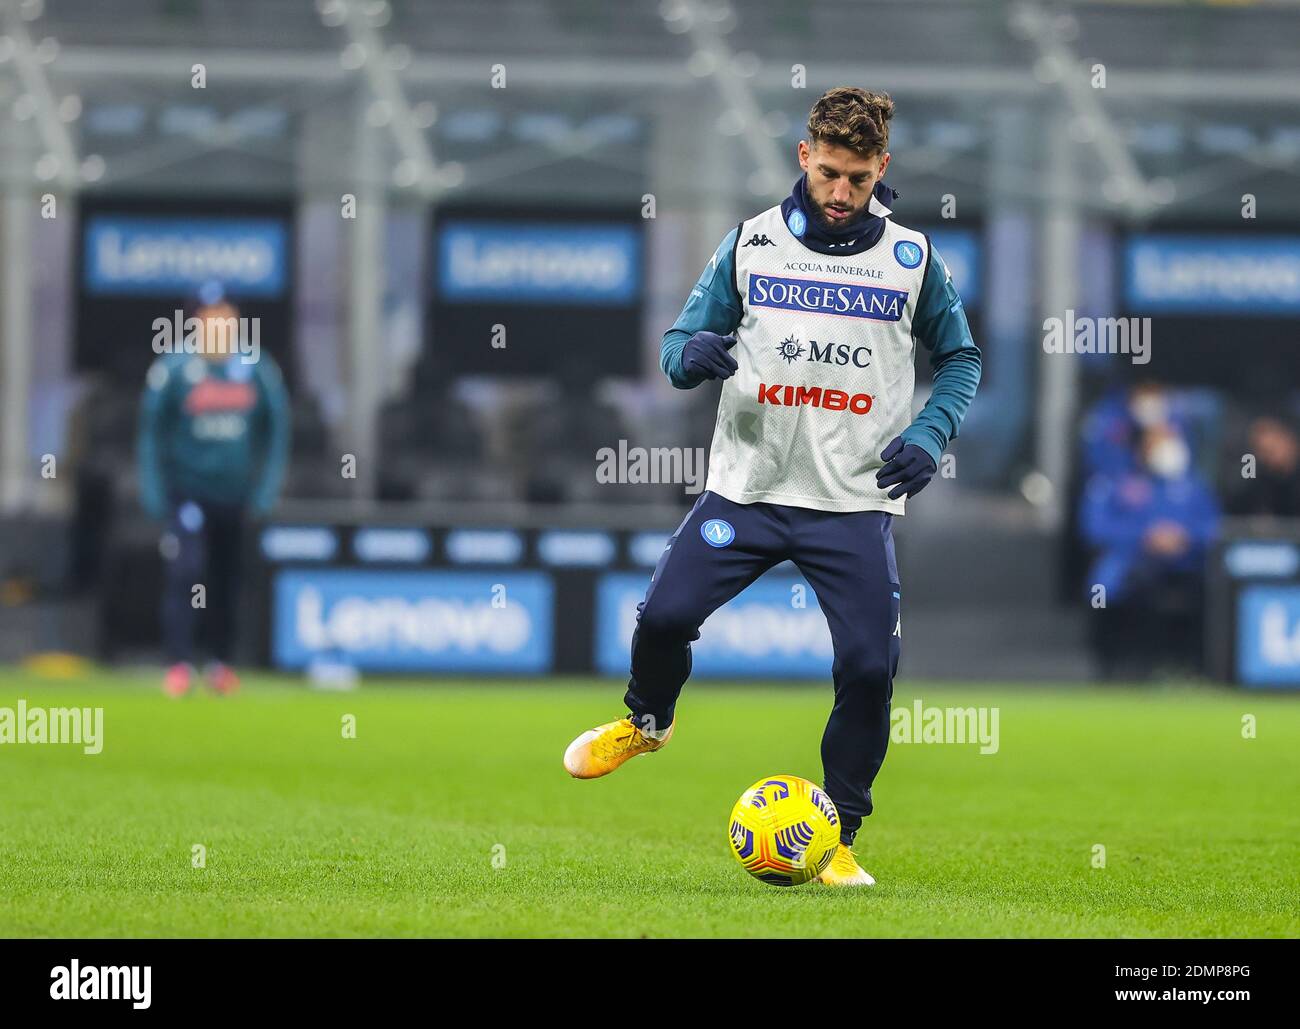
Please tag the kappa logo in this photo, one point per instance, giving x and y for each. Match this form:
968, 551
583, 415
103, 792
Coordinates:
759, 240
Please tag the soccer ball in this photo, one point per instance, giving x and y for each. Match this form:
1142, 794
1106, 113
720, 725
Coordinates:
784, 830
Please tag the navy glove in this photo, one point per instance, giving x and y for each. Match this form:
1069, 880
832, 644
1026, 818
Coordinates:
908, 468
706, 355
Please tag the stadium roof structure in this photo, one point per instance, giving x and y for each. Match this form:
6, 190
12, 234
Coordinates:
1133, 33
104, 98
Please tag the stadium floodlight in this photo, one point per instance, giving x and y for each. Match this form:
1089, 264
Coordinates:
1058, 65
367, 52
732, 73
30, 61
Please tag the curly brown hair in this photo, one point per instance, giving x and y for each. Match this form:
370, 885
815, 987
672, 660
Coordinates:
854, 118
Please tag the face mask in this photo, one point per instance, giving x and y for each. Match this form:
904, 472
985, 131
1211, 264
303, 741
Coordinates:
1169, 458
1148, 409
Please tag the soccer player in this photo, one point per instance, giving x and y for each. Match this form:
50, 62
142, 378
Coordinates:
213, 443
810, 312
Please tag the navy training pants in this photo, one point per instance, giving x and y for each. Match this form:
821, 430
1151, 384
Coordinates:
847, 558
203, 545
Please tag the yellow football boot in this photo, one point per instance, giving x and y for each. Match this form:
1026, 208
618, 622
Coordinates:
600, 750
844, 870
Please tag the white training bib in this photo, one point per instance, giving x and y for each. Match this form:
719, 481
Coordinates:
826, 372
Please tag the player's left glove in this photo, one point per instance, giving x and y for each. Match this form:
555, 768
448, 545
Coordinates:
708, 356
908, 468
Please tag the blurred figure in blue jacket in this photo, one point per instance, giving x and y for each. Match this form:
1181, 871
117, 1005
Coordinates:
1111, 429
213, 444
1150, 529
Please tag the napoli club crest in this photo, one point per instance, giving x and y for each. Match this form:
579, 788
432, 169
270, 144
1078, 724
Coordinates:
907, 253
797, 222
717, 533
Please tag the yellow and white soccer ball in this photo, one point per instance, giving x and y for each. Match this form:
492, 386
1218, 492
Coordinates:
784, 830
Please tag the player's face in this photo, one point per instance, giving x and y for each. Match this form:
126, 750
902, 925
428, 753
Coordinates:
220, 330
840, 181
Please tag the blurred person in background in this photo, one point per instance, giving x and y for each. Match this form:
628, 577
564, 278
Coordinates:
213, 443
1274, 491
1112, 427
1149, 529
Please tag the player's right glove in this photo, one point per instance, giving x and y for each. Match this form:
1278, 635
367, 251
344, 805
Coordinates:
908, 468
706, 355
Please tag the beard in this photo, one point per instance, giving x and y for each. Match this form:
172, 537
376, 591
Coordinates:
827, 223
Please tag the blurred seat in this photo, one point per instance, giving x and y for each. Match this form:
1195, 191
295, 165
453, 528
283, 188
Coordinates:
431, 447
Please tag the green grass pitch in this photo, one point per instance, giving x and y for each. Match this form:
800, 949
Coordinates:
395, 832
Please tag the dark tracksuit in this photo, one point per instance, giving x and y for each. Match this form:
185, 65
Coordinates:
213, 443
847, 557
